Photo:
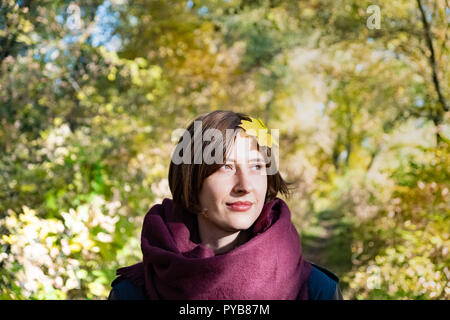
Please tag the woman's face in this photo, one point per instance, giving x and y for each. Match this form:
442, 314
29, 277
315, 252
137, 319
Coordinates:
234, 195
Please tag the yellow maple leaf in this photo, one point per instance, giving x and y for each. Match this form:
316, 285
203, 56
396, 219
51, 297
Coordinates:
258, 129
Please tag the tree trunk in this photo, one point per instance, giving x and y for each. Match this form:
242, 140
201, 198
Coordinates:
438, 115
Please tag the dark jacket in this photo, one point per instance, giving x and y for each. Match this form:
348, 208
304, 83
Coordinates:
322, 285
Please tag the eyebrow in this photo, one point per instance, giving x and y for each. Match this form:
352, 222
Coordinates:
251, 160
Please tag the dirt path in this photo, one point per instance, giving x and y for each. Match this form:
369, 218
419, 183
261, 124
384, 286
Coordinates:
328, 243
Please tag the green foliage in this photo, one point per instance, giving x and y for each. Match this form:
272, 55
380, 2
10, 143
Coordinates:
86, 125
410, 259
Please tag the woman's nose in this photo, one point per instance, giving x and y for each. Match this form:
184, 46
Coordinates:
243, 183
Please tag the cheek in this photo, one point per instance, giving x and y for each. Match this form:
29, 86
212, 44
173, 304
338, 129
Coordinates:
261, 186
213, 190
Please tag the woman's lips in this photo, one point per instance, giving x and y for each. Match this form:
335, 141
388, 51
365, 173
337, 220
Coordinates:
240, 205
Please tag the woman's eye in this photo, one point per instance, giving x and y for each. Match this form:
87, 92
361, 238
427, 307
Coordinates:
227, 167
259, 169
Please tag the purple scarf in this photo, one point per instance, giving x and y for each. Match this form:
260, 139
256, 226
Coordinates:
176, 265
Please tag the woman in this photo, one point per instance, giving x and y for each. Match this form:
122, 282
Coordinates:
225, 234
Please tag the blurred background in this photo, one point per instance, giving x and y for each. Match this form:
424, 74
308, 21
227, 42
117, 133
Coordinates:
91, 91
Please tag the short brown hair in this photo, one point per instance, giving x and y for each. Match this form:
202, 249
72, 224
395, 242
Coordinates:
185, 180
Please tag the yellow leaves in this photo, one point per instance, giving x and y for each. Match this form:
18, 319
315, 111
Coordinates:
97, 289
81, 95
55, 226
436, 241
8, 239
11, 219
135, 76
141, 62
28, 216
258, 129
109, 107
97, 120
25, 39
75, 247
403, 36
398, 269
57, 121
104, 237
141, 76
26, 26
155, 72
81, 274
28, 187
138, 70
308, 13
112, 74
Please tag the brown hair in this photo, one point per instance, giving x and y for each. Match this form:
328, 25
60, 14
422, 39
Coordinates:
185, 180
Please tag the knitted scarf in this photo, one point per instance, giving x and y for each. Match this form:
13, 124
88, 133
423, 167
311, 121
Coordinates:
176, 265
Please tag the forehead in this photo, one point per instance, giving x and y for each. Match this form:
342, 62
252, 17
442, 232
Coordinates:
244, 148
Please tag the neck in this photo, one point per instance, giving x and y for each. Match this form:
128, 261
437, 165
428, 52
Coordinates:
221, 241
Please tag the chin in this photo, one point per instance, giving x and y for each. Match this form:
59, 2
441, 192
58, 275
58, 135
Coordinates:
241, 223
